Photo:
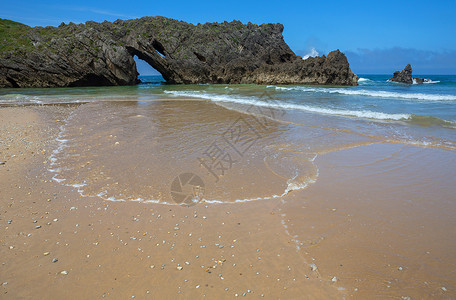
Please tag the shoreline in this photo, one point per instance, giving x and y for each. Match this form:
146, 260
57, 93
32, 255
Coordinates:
118, 249
125, 249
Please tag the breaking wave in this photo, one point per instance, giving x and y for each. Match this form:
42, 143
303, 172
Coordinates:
378, 94
291, 106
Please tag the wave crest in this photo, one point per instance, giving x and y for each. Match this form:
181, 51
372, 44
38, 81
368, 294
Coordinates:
291, 106
378, 94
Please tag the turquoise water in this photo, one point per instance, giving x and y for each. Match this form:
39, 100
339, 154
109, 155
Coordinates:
419, 113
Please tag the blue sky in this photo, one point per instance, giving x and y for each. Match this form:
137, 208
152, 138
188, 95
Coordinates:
377, 36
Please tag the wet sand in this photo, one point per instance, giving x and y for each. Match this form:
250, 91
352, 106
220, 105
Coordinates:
379, 220
354, 233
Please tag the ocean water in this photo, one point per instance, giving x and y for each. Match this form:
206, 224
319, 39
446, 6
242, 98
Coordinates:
281, 130
375, 98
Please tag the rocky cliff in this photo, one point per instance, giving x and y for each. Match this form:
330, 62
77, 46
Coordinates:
102, 54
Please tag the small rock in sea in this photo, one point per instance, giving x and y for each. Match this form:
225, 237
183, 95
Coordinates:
64, 272
38, 227
54, 260
334, 279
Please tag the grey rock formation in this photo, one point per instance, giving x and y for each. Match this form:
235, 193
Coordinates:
102, 54
418, 80
404, 76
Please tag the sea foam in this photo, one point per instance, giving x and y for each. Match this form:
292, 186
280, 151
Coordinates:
291, 106
378, 94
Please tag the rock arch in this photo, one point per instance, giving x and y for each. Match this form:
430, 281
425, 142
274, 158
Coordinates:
102, 54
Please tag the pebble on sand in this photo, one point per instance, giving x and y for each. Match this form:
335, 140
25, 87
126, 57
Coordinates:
64, 272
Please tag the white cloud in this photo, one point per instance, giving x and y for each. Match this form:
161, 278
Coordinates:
312, 53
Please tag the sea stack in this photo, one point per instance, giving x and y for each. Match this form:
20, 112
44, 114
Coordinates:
102, 54
405, 76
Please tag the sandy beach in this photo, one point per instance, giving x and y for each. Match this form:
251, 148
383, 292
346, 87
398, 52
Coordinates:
124, 250
345, 236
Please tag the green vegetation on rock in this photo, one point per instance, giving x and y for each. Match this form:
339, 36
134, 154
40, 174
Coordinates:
14, 36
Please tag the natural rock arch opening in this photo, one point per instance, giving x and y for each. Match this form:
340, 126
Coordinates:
155, 60
159, 47
144, 69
